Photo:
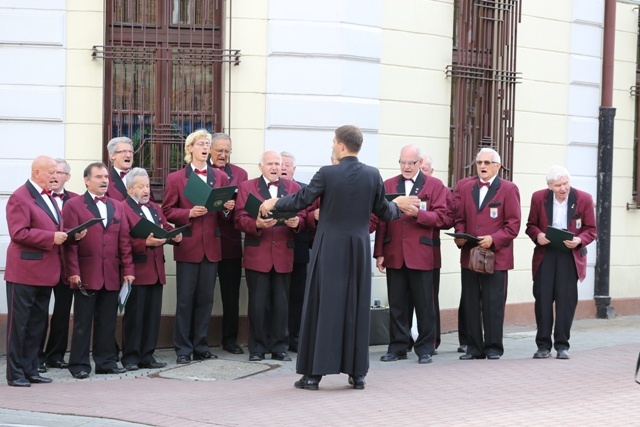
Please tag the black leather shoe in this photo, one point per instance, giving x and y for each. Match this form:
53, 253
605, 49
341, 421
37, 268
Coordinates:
284, 357
468, 356
37, 379
233, 348
20, 382
153, 365
183, 360
357, 381
462, 348
207, 355
308, 382
542, 353
392, 357
42, 368
256, 357
59, 364
424, 359
131, 367
81, 375
493, 356
562, 354
112, 371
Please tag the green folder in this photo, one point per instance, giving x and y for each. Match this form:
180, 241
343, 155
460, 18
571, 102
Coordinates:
471, 240
557, 237
200, 194
391, 196
253, 208
83, 226
144, 227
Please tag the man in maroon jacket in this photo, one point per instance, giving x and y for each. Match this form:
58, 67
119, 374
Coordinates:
198, 254
489, 209
56, 344
33, 268
404, 248
268, 261
121, 155
230, 266
96, 268
556, 270
141, 323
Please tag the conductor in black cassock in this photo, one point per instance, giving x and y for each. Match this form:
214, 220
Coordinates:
334, 333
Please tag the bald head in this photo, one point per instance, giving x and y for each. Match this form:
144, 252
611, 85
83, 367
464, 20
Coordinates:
43, 171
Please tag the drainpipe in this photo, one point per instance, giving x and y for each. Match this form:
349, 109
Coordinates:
605, 167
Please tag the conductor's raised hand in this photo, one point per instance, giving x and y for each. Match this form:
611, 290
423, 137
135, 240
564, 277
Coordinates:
267, 206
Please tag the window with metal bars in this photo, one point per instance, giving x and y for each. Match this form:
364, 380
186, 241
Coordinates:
483, 74
163, 69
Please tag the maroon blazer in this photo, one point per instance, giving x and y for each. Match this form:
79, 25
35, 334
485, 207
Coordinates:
231, 238
32, 257
409, 240
581, 221
103, 256
202, 239
117, 190
499, 216
266, 248
148, 262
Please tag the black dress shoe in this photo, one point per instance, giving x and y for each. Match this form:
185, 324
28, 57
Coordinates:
256, 357
183, 360
284, 357
153, 365
468, 356
42, 368
424, 359
493, 356
20, 382
542, 353
81, 375
131, 367
357, 381
562, 354
207, 355
308, 382
112, 371
392, 356
37, 379
59, 364
462, 348
233, 348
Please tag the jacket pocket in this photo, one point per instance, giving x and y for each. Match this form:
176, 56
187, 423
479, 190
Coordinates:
251, 242
291, 244
32, 256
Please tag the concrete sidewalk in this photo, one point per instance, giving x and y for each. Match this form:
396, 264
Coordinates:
596, 386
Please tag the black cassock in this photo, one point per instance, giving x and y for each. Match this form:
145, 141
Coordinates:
334, 334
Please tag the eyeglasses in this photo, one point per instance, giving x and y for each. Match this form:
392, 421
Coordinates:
485, 162
202, 144
123, 152
83, 290
227, 152
408, 163
61, 173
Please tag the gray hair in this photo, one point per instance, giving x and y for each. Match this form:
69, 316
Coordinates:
111, 145
288, 154
496, 156
219, 135
556, 172
134, 173
67, 166
413, 148
269, 151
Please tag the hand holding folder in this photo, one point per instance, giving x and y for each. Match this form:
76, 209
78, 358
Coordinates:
557, 236
200, 194
253, 208
144, 227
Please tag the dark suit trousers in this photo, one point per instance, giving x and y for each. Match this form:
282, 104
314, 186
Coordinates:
462, 323
268, 311
436, 302
56, 343
100, 311
27, 314
416, 285
296, 298
141, 324
484, 300
230, 275
195, 283
556, 281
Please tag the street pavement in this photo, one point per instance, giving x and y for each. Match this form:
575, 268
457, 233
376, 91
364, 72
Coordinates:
594, 387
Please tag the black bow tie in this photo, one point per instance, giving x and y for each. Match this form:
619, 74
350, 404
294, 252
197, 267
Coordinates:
409, 179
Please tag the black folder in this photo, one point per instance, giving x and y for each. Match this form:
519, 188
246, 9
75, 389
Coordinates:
144, 227
557, 237
83, 226
253, 208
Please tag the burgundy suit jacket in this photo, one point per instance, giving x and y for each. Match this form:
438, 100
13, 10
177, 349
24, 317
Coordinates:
32, 257
266, 248
202, 239
117, 190
409, 240
103, 256
148, 262
581, 221
499, 216
231, 238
